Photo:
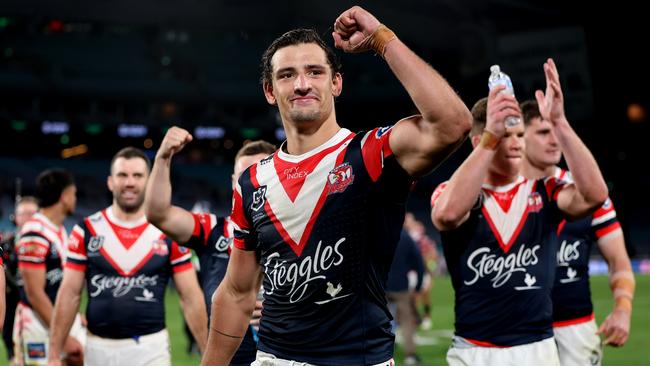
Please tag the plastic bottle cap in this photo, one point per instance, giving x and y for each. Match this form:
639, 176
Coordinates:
495, 69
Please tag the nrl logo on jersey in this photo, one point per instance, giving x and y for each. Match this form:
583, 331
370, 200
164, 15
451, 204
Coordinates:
95, 243
222, 244
340, 178
259, 198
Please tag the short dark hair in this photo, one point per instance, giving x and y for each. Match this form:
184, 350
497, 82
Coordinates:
130, 153
479, 117
530, 110
50, 184
256, 147
293, 37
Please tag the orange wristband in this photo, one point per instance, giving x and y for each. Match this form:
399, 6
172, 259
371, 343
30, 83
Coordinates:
377, 41
489, 140
623, 285
623, 303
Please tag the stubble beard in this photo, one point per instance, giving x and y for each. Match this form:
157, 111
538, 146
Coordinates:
130, 207
305, 116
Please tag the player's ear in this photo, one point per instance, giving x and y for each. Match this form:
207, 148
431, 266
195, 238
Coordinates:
475, 140
268, 92
337, 84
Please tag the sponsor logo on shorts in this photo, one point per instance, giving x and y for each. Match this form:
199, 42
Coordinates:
36, 350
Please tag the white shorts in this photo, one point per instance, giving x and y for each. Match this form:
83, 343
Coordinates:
148, 350
578, 344
31, 337
542, 353
267, 359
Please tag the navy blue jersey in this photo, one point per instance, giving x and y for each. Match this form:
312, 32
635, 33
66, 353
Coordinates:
571, 293
502, 263
127, 267
211, 240
41, 245
325, 225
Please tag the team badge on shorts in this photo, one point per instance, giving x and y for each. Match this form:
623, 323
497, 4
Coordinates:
259, 198
340, 178
36, 350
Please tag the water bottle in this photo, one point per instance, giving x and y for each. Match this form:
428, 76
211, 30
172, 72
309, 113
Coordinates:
497, 77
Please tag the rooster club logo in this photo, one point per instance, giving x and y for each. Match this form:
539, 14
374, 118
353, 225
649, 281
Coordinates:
340, 178
160, 248
259, 197
535, 203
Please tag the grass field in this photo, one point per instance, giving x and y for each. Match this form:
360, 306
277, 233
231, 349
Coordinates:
433, 344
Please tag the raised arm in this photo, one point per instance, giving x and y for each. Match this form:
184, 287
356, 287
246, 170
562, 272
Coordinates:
419, 142
174, 221
232, 306
589, 190
193, 305
452, 206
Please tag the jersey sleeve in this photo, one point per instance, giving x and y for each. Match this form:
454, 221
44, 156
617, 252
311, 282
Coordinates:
244, 238
554, 186
204, 226
375, 148
180, 258
76, 257
32, 247
437, 192
604, 221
